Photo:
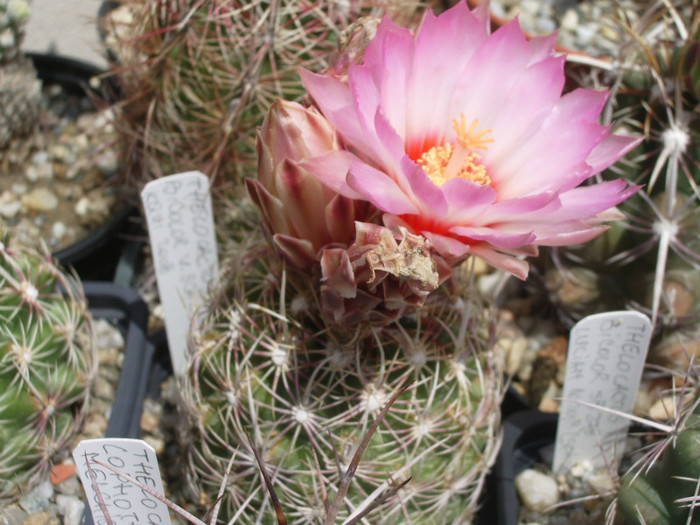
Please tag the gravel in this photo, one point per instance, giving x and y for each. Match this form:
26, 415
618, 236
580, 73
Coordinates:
54, 183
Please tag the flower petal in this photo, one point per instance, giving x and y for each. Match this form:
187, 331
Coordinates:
498, 238
331, 169
382, 191
505, 262
611, 149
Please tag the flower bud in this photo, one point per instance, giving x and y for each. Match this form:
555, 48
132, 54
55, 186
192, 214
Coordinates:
301, 213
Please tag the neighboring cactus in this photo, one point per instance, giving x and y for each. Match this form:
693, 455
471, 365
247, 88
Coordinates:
20, 90
665, 490
265, 364
657, 93
198, 77
47, 364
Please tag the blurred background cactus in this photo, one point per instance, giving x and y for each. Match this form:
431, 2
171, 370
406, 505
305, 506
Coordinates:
266, 364
47, 365
197, 77
20, 90
655, 93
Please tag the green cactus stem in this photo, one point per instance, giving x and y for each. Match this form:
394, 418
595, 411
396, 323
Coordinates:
47, 365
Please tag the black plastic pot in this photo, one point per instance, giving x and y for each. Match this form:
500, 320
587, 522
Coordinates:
95, 256
125, 309
526, 434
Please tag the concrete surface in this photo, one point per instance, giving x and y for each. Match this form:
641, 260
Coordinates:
66, 27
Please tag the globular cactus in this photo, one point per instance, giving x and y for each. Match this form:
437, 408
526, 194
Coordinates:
664, 490
20, 90
266, 365
14, 15
656, 93
198, 77
47, 364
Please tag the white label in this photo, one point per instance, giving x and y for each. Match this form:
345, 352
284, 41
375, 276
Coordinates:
124, 501
603, 367
183, 241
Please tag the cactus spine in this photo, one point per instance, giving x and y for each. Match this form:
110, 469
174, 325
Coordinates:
656, 93
47, 364
266, 365
198, 77
653, 493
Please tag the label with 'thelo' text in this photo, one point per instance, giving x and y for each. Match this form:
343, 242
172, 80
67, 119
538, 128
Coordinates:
604, 368
183, 242
105, 466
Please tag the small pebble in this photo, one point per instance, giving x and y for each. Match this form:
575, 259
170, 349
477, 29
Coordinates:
82, 207
37, 500
13, 515
40, 199
95, 426
58, 230
664, 409
10, 205
41, 518
600, 481
157, 443
107, 336
537, 491
40, 157
71, 508
149, 422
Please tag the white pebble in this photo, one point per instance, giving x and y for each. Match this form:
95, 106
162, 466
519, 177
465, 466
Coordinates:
40, 157
601, 482
530, 6
537, 491
31, 173
40, 199
106, 335
82, 207
664, 409
545, 26
581, 468
58, 230
586, 33
570, 20
19, 189
9, 204
71, 508
59, 152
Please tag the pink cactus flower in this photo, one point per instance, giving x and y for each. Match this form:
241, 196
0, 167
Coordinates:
464, 137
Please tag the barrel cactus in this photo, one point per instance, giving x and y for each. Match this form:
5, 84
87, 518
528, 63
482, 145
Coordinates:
198, 77
47, 364
664, 489
656, 92
267, 365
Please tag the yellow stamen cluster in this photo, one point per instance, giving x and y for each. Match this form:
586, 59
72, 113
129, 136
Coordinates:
447, 161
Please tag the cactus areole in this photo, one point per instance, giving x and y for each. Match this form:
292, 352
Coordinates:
47, 365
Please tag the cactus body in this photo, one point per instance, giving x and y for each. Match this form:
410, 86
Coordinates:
655, 94
20, 90
653, 492
198, 77
47, 364
265, 366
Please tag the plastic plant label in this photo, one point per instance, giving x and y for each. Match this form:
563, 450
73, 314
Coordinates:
604, 367
124, 502
183, 241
